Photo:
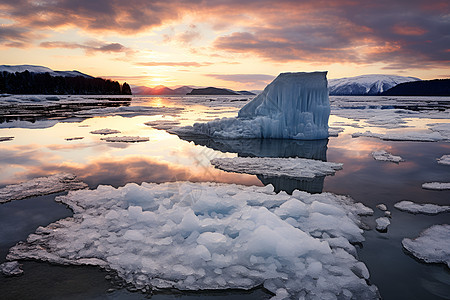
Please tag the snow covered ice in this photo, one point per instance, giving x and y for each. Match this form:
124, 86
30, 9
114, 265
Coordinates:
444, 160
41, 186
382, 224
432, 245
439, 186
382, 155
105, 131
416, 208
293, 106
270, 166
193, 236
125, 139
11, 268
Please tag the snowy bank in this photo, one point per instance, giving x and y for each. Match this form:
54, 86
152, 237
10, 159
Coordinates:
267, 166
193, 236
432, 245
293, 106
415, 208
41, 186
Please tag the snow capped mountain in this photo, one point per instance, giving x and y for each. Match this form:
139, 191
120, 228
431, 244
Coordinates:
373, 84
40, 69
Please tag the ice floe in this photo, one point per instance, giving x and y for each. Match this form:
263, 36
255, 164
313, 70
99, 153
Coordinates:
293, 106
11, 268
430, 136
6, 138
193, 236
416, 208
105, 131
432, 245
125, 139
74, 138
41, 186
444, 160
382, 155
382, 207
271, 166
382, 224
163, 124
436, 185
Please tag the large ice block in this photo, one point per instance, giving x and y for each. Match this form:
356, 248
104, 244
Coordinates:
293, 106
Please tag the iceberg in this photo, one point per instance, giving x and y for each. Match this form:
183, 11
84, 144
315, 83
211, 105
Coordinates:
293, 106
194, 236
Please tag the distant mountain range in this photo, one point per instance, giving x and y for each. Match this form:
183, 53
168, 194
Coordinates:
41, 69
29, 79
436, 87
366, 84
185, 90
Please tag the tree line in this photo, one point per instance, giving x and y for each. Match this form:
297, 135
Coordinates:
43, 83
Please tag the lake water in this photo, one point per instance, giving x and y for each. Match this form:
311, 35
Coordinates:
40, 148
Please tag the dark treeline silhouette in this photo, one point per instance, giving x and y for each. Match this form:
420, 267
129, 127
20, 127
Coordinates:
43, 83
436, 87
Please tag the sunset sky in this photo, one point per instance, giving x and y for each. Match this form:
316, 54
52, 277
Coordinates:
227, 43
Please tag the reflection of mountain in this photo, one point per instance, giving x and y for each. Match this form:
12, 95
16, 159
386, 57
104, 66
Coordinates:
316, 149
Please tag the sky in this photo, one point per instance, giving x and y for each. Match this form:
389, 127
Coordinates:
238, 44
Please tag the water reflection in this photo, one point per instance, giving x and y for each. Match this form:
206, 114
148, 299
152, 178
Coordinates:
316, 149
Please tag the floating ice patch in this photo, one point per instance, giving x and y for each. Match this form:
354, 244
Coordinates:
6, 138
436, 186
430, 136
382, 224
432, 245
194, 236
41, 186
74, 138
385, 156
293, 106
162, 124
334, 131
382, 207
444, 160
416, 208
271, 166
12, 268
105, 131
125, 139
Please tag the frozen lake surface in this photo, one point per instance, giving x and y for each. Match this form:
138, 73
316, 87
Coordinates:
40, 127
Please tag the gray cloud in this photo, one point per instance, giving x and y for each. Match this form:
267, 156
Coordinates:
399, 34
90, 47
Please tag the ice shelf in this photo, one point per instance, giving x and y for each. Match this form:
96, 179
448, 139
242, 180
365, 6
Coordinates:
293, 106
194, 236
